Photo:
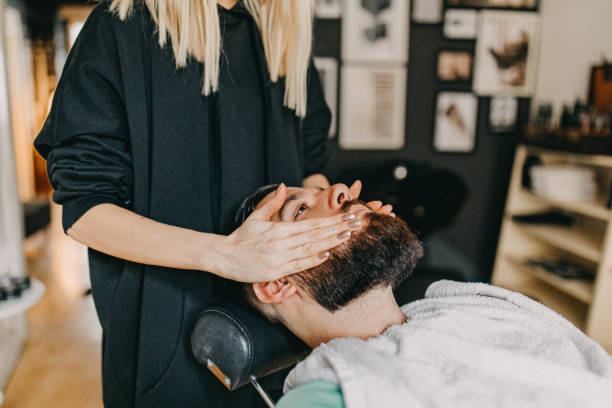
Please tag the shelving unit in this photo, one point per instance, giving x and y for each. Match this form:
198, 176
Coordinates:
596, 209
588, 241
576, 158
573, 240
580, 289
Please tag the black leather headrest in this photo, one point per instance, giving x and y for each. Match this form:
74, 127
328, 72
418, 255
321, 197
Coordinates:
236, 343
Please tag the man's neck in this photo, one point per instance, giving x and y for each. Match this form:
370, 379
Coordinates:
368, 316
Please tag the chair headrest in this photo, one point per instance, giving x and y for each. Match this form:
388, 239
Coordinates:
236, 343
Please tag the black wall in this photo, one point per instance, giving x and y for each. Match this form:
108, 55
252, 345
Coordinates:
486, 170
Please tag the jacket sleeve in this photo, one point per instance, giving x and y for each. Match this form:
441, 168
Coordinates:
315, 126
85, 138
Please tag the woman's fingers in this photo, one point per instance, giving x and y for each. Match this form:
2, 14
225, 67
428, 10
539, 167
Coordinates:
271, 207
378, 207
283, 229
385, 209
299, 265
319, 234
355, 190
317, 247
375, 205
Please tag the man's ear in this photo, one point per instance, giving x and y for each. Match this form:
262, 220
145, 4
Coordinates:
275, 291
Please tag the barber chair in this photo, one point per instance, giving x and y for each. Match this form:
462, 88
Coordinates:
238, 346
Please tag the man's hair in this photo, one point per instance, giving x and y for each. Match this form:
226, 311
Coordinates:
247, 206
383, 253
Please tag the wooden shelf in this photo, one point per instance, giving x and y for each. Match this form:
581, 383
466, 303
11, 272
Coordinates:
599, 160
594, 209
579, 289
569, 239
585, 304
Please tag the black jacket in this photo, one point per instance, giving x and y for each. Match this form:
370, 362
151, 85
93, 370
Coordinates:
127, 128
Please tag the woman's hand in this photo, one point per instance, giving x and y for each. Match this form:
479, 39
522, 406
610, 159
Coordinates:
262, 251
377, 206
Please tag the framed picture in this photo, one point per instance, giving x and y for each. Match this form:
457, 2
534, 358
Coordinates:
460, 24
375, 30
373, 108
455, 126
328, 72
503, 111
328, 8
509, 4
600, 87
427, 11
454, 66
506, 53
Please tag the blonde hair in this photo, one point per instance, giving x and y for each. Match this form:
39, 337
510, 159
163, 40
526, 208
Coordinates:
193, 28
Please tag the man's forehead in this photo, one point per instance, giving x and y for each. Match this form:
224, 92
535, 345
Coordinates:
290, 191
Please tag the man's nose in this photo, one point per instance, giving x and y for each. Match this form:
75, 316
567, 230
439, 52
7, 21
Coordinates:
338, 194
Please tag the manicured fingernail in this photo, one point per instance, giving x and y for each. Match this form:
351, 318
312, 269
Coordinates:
324, 255
348, 217
354, 224
344, 235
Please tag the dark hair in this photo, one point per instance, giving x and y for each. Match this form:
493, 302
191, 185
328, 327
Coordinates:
247, 206
384, 253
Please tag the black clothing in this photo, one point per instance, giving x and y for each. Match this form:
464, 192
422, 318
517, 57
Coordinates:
239, 110
127, 128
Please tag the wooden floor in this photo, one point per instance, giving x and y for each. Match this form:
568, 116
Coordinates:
60, 366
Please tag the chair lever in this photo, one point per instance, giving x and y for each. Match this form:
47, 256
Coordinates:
262, 392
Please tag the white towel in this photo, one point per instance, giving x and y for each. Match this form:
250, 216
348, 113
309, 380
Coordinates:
467, 345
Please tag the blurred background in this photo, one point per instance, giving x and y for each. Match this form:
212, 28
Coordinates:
486, 123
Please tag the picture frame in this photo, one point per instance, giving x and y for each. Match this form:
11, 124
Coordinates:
373, 114
328, 73
455, 66
503, 113
600, 86
495, 4
460, 24
455, 122
427, 11
506, 53
328, 9
375, 31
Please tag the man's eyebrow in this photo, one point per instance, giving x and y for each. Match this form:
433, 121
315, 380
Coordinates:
285, 207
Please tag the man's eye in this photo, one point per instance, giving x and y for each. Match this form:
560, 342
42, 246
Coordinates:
300, 210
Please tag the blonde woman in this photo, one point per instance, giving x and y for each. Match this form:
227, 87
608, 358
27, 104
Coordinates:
167, 114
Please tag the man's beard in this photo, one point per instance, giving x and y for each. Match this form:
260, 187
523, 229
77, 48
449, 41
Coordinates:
383, 253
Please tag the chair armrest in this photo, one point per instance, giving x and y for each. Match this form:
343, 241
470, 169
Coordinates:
236, 343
